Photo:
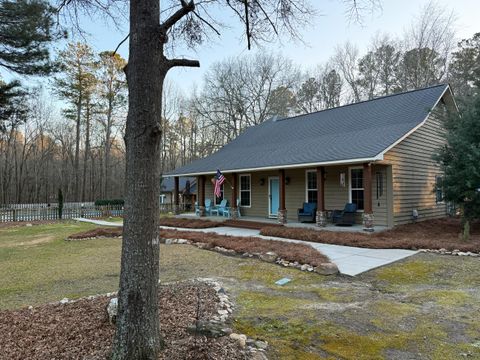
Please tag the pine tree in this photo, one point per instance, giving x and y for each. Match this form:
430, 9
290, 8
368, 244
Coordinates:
459, 160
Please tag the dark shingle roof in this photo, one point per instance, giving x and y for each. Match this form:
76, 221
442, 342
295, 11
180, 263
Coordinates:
168, 184
356, 131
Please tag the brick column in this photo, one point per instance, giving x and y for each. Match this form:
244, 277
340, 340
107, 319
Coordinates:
201, 195
176, 190
282, 211
321, 217
367, 198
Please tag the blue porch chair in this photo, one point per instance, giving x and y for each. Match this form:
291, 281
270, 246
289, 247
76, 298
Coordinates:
345, 217
222, 207
307, 213
228, 210
208, 207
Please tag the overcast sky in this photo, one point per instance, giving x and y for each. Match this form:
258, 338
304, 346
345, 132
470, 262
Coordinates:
328, 30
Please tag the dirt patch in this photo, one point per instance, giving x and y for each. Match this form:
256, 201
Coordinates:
303, 254
189, 223
37, 240
81, 329
430, 234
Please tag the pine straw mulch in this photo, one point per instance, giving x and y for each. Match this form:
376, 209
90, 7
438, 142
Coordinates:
429, 234
189, 223
247, 224
80, 330
303, 254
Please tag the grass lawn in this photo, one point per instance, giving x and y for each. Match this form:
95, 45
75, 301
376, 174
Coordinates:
425, 307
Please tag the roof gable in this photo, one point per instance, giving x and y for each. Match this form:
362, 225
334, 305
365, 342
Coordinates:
355, 132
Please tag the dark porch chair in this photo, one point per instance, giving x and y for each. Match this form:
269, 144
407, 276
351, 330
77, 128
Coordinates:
345, 217
307, 213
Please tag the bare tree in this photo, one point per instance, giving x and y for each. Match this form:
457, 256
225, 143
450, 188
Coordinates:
346, 61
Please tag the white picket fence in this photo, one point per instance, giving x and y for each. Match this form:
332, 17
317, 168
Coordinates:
29, 212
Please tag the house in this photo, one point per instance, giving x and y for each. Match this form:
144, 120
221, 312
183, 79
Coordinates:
376, 154
187, 188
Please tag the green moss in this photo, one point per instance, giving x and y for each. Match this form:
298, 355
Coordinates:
443, 297
407, 273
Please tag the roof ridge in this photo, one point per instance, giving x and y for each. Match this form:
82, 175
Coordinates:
363, 101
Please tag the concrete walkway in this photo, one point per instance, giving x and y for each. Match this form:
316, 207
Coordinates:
99, 222
350, 260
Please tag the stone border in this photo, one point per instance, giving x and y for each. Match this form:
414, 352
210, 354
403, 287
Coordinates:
271, 257
216, 327
455, 252
93, 238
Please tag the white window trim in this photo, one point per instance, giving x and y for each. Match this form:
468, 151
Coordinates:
240, 190
222, 190
350, 185
306, 183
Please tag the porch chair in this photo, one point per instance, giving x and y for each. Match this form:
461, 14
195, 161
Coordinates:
208, 207
345, 217
228, 210
307, 213
222, 207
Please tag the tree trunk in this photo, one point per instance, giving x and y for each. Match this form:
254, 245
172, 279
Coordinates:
106, 189
87, 148
77, 150
138, 329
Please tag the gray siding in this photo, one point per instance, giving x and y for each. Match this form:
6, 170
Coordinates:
414, 171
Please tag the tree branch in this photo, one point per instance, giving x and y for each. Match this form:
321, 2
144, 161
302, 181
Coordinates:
180, 13
182, 62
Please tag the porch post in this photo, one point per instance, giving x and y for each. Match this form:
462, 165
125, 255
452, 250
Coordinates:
321, 214
233, 204
367, 198
176, 190
282, 211
201, 194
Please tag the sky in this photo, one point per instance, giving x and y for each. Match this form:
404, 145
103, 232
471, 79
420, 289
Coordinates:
327, 30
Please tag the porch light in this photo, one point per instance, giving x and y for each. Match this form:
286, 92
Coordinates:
287, 180
262, 181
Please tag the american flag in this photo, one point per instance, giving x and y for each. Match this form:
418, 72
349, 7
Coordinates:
219, 180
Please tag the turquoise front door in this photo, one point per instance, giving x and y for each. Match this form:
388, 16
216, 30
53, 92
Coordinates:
274, 196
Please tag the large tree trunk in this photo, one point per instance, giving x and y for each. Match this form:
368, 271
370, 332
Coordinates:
138, 329
87, 149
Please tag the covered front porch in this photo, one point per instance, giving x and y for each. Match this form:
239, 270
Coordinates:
294, 224
275, 195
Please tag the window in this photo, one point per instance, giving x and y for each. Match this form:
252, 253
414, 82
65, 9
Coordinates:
218, 199
438, 189
311, 184
356, 187
245, 190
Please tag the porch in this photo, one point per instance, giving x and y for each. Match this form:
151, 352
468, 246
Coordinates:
273, 196
293, 224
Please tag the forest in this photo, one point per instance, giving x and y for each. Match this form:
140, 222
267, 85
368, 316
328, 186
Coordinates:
69, 134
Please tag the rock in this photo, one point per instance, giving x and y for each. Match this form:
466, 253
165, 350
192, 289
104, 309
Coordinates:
182, 241
326, 269
240, 339
112, 309
64, 301
30, 307
270, 257
304, 267
209, 329
261, 344
28, 225
168, 241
